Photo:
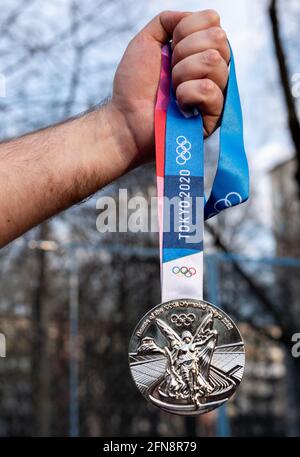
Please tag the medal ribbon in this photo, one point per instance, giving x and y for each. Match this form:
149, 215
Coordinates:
182, 206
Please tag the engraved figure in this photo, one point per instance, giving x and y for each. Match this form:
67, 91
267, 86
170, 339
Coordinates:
189, 357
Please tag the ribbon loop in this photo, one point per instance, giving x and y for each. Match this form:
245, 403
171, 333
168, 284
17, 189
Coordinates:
182, 208
231, 183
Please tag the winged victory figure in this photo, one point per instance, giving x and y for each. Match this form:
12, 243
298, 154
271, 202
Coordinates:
189, 357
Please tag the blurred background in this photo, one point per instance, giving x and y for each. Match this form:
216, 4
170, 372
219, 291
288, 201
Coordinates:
71, 296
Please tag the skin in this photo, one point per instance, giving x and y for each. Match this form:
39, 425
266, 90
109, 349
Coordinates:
47, 171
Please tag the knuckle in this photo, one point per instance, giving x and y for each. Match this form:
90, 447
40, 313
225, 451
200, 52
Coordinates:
212, 16
218, 35
207, 86
213, 57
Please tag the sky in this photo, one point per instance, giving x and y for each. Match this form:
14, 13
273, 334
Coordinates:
267, 142
247, 25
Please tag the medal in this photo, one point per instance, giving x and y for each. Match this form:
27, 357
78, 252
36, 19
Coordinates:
187, 356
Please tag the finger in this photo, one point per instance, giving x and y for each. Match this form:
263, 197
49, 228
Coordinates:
208, 64
213, 38
204, 94
162, 26
194, 23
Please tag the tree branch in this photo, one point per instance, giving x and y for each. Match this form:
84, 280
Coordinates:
258, 290
293, 121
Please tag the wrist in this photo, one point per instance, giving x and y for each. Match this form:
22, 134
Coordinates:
123, 153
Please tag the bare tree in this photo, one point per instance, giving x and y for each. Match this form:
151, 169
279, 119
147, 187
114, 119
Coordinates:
293, 121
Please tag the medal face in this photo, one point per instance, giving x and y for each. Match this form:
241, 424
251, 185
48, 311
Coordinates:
187, 356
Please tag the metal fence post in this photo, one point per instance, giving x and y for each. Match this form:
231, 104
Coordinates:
73, 354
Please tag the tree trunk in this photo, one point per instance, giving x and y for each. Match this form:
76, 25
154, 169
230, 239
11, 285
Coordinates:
40, 369
293, 376
293, 122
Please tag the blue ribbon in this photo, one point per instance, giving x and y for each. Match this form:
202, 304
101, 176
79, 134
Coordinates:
231, 183
184, 153
183, 179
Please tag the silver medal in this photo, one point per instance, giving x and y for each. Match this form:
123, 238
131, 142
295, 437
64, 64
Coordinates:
187, 356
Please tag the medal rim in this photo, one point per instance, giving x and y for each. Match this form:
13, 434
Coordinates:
197, 412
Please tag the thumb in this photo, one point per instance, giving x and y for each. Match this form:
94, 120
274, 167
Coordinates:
162, 26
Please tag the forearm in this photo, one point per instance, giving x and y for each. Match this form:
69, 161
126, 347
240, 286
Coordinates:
48, 171
45, 172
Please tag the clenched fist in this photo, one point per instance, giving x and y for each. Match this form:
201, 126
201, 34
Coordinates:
199, 73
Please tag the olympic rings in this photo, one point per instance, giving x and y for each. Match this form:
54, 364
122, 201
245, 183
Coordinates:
228, 201
183, 150
183, 320
184, 271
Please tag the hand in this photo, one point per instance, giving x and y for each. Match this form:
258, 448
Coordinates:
199, 73
49, 170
